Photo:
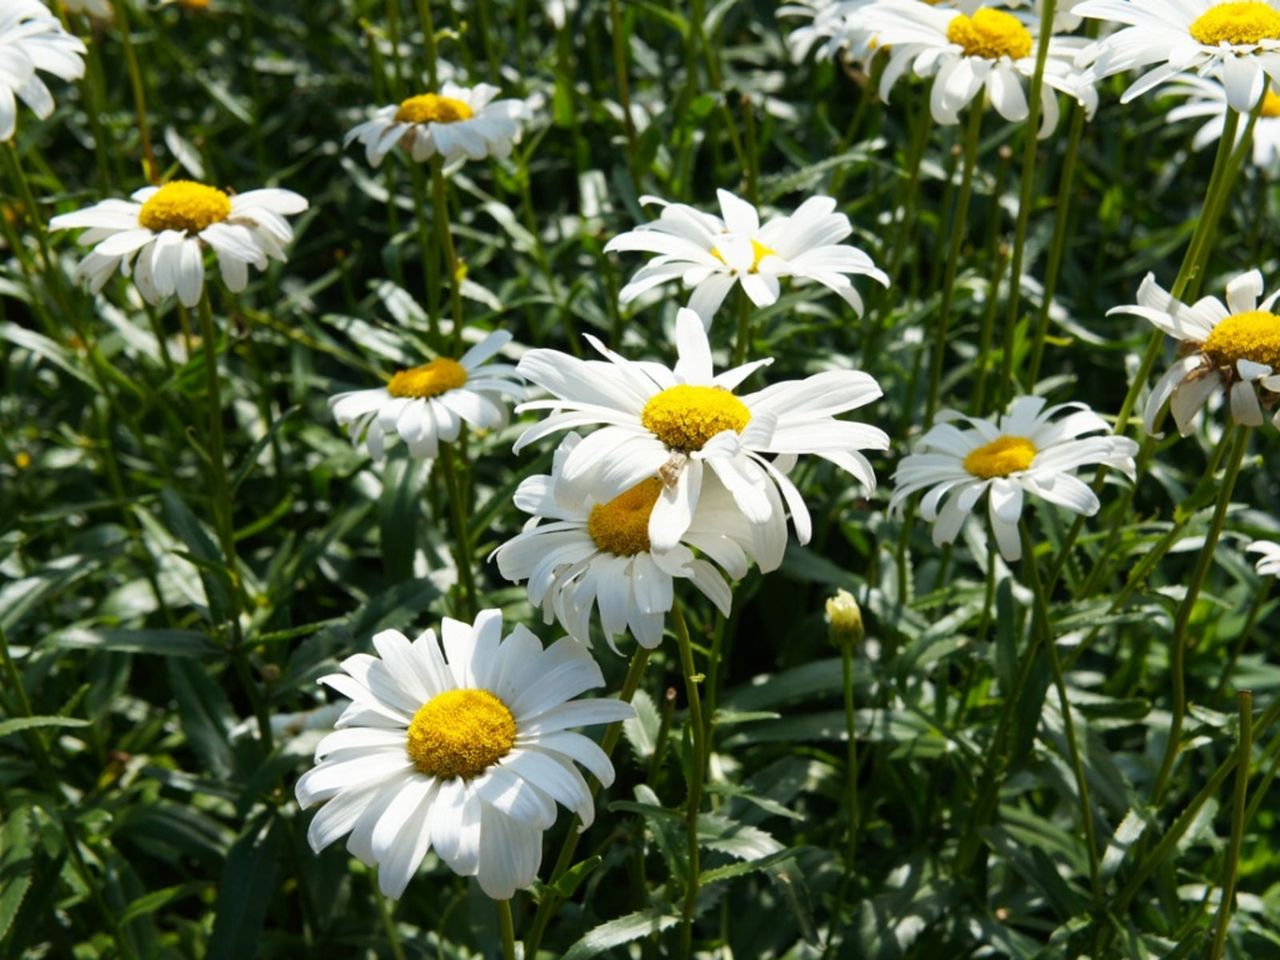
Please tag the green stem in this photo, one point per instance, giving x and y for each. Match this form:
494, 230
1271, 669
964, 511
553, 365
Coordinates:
458, 512
388, 921
1178, 651
440, 205
958, 227
426, 251
508, 928
150, 169
697, 770
743, 338
1244, 754
428, 41
619, 37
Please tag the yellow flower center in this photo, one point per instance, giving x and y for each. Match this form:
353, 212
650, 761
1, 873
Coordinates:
429, 380
460, 733
1000, 457
685, 417
1246, 336
759, 250
1270, 104
184, 205
433, 108
621, 526
1238, 24
991, 34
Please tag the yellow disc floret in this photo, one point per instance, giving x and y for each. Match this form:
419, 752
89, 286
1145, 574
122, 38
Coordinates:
429, 380
991, 34
1000, 457
1239, 24
433, 108
460, 733
759, 252
1246, 336
686, 417
1270, 104
621, 526
184, 205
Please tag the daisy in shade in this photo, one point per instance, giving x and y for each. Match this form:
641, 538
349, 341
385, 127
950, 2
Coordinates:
1236, 42
1268, 564
465, 751
1232, 348
677, 423
1030, 449
1207, 100
32, 41
580, 553
427, 405
160, 236
458, 123
711, 253
983, 53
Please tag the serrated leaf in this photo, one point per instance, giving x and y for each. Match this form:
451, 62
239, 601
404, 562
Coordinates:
16, 843
641, 730
625, 929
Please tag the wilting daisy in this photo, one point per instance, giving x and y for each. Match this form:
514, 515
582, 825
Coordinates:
160, 237
1232, 347
673, 424
1268, 564
32, 41
428, 404
711, 254
968, 53
1026, 450
466, 753
579, 553
1208, 99
457, 123
1236, 42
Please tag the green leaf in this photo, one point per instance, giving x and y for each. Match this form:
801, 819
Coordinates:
568, 883
625, 929
183, 524
641, 730
743, 867
28, 723
205, 714
165, 643
153, 901
17, 841
247, 885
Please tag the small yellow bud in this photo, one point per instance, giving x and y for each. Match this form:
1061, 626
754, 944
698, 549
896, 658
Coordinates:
22, 460
844, 620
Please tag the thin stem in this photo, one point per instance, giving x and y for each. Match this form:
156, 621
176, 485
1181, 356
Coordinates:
388, 921
743, 338
428, 41
960, 222
619, 36
851, 776
440, 205
150, 169
1244, 753
697, 769
426, 251
508, 928
1041, 621
458, 512
1204, 561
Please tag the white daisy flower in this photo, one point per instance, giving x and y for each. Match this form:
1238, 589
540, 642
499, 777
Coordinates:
579, 553
711, 254
1236, 42
32, 41
458, 123
1268, 564
428, 404
160, 236
1024, 451
1207, 99
833, 27
967, 53
466, 753
674, 424
1232, 347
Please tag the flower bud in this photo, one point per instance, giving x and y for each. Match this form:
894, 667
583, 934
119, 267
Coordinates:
844, 620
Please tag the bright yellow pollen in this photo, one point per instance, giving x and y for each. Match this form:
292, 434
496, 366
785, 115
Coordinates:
991, 34
184, 205
433, 108
621, 526
1238, 24
460, 733
757, 248
1246, 336
429, 380
1000, 457
685, 417
1270, 104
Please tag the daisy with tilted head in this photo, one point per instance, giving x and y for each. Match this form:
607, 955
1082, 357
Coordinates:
1237, 42
160, 236
580, 553
1231, 348
711, 253
675, 424
458, 123
427, 405
32, 41
986, 53
465, 751
1207, 99
1031, 449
